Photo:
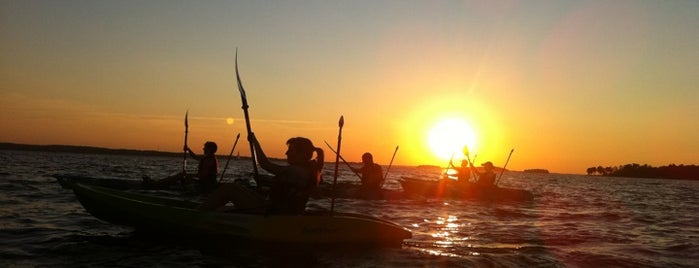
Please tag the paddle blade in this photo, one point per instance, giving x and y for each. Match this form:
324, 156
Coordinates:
186, 120
243, 97
342, 121
465, 150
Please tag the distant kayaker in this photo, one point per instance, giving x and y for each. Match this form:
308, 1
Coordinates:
372, 177
487, 178
207, 170
463, 173
291, 185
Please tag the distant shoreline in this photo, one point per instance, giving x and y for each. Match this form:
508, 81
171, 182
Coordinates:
691, 172
96, 150
82, 149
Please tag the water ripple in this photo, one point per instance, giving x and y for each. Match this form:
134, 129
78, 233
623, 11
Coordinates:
573, 221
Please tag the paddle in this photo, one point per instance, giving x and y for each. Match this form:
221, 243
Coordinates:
448, 165
337, 161
229, 157
389, 166
186, 131
343, 159
244, 99
503, 167
468, 158
474, 161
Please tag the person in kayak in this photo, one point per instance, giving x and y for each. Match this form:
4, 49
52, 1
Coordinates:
487, 177
207, 171
372, 177
291, 185
463, 172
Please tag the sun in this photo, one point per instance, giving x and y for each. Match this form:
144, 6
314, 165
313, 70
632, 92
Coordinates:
449, 136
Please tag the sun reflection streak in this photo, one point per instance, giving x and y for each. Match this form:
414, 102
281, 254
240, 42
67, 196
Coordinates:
450, 233
442, 234
445, 244
440, 253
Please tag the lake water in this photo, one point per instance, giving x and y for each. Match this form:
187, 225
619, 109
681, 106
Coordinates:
573, 221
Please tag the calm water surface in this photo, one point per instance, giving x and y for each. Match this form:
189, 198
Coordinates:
574, 221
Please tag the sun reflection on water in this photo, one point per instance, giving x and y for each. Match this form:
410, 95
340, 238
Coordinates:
448, 234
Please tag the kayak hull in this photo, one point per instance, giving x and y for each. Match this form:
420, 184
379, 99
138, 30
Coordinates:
181, 218
447, 188
343, 190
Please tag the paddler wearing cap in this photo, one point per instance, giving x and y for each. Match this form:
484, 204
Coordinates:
485, 178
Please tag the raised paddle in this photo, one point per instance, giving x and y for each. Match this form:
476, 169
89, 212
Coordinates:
229, 157
503, 167
389, 166
448, 165
186, 131
468, 158
337, 161
343, 159
245, 106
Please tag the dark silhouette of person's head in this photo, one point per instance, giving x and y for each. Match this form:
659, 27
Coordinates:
367, 158
300, 150
210, 147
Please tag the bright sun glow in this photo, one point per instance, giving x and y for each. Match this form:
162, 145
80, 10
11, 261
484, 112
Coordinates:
229, 121
449, 137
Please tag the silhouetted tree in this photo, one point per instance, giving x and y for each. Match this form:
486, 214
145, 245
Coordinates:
591, 170
672, 171
600, 170
608, 170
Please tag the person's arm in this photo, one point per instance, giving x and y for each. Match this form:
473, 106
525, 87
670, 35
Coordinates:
191, 153
320, 162
475, 171
262, 157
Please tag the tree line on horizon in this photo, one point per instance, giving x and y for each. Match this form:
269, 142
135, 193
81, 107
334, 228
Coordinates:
672, 171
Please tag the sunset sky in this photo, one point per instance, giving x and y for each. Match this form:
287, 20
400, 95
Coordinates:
567, 84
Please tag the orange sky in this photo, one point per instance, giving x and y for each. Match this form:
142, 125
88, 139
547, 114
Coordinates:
568, 85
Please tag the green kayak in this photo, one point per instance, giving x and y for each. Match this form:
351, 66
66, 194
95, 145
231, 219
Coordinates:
181, 218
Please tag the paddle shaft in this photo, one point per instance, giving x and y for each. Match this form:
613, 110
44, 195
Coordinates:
186, 132
389, 166
503, 167
229, 157
337, 161
468, 158
343, 159
470, 163
471, 174
245, 106
448, 165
